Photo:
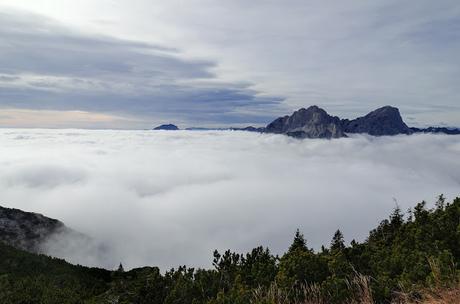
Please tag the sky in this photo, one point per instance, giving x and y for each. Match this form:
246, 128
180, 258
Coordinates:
166, 199
139, 63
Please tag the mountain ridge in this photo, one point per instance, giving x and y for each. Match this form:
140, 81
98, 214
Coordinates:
315, 122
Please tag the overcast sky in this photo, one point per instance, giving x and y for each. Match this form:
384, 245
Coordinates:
139, 63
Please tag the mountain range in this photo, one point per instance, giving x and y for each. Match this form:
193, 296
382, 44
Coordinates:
315, 122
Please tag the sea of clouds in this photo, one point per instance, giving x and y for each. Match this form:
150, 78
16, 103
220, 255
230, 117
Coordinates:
170, 198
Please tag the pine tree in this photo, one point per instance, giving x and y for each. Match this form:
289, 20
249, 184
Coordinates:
337, 243
299, 242
120, 268
440, 203
396, 217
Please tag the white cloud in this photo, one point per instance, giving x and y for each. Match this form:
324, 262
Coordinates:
170, 198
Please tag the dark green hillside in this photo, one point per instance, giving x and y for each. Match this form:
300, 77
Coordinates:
31, 278
404, 253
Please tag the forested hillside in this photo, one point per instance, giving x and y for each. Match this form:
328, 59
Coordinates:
407, 257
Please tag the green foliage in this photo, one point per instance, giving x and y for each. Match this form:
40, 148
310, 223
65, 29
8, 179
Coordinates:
31, 278
337, 243
301, 266
299, 242
409, 252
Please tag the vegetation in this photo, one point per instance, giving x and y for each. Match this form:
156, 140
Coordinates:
411, 258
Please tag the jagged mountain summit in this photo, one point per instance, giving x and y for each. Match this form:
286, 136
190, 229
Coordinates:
315, 122
383, 121
312, 122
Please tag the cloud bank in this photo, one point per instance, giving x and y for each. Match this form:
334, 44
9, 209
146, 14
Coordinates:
170, 198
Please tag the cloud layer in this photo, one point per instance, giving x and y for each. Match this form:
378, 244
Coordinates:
170, 198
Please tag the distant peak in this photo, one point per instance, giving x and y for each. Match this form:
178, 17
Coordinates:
383, 121
312, 122
313, 108
386, 109
169, 127
310, 110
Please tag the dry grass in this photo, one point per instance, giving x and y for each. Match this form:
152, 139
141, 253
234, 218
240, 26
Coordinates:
313, 294
432, 296
272, 295
362, 290
307, 294
362, 294
447, 296
445, 288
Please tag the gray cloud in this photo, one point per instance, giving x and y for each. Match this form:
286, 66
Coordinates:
347, 57
34, 44
170, 198
44, 65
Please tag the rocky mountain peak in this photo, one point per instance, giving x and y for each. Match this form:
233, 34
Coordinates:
312, 122
384, 121
168, 127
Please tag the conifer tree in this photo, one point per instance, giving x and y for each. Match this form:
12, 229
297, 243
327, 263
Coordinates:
299, 242
120, 268
337, 243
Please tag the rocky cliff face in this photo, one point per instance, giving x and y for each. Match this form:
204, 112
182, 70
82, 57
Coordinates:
26, 230
383, 121
37, 233
312, 122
